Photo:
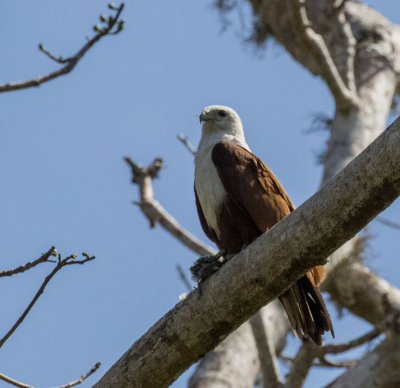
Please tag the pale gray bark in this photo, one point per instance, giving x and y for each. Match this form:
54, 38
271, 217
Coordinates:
211, 373
363, 292
266, 352
227, 362
264, 269
300, 367
379, 368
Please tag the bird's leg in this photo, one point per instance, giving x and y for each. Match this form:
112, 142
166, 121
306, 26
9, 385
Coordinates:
205, 266
220, 255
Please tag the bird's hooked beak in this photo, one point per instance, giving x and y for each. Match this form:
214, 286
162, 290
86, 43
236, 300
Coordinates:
205, 116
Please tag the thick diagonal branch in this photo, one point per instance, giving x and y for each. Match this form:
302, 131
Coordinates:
307, 236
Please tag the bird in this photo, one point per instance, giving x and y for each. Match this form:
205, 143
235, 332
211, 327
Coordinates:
238, 198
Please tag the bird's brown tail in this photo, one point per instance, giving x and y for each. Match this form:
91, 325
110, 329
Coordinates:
306, 310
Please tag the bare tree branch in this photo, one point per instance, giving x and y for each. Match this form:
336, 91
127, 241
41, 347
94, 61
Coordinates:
345, 97
82, 378
378, 368
304, 359
385, 221
324, 362
301, 365
71, 384
362, 292
235, 361
340, 348
235, 354
278, 258
153, 210
14, 382
111, 26
266, 352
61, 263
185, 141
42, 259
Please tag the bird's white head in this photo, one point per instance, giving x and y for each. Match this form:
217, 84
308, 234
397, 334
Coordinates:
221, 119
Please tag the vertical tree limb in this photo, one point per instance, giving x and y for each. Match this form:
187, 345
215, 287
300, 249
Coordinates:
266, 352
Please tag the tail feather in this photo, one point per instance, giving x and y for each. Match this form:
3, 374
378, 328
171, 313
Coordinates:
306, 310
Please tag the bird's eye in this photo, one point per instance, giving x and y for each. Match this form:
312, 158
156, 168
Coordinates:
222, 113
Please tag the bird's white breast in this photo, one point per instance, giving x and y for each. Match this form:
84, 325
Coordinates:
209, 188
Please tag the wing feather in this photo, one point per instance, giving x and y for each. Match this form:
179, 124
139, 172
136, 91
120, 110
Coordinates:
251, 184
207, 230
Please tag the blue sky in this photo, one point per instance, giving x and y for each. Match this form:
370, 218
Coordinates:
63, 181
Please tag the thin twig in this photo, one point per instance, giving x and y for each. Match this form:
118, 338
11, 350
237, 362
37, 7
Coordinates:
60, 264
187, 143
42, 259
153, 210
184, 278
113, 25
304, 359
324, 362
16, 383
83, 377
340, 348
385, 221
71, 384
345, 96
53, 57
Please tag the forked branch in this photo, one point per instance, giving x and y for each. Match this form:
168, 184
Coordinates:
153, 210
45, 258
109, 26
68, 385
61, 263
308, 352
344, 90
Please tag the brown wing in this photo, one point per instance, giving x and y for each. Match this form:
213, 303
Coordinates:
251, 184
209, 232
